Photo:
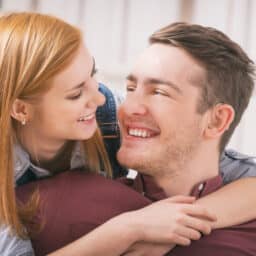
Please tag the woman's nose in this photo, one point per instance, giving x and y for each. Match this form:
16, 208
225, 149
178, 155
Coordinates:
97, 98
100, 98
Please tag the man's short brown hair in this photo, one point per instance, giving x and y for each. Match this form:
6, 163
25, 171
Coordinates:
229, 72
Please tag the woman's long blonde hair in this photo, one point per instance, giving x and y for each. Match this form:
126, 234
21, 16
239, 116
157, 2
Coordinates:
33, 49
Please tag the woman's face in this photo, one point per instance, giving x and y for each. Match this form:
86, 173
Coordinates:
68, 110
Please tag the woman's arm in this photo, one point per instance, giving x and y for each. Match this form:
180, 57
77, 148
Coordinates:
232, 204
173, 221
111, 238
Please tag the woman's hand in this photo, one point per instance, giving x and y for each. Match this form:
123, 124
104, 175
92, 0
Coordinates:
174, 220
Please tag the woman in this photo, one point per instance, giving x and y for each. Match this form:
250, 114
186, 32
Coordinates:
49, 98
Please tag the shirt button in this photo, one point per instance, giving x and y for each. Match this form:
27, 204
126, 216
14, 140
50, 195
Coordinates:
200, 187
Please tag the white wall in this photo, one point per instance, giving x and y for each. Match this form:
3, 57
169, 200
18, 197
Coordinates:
117, 30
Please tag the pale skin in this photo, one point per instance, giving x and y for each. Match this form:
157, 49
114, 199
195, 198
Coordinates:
74, 94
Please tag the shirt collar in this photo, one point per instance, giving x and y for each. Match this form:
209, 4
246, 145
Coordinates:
204, 188
145, 185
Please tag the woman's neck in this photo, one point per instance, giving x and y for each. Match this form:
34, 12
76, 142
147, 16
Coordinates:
61, 161
51, 155
42, 151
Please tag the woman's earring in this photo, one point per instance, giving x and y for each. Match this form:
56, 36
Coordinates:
23, 122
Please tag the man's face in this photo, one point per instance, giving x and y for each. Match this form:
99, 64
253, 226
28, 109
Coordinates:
161, 129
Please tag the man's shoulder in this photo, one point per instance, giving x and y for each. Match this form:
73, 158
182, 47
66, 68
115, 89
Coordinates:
235, 165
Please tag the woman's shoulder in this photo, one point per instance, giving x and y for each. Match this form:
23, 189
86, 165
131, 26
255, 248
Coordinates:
10, 244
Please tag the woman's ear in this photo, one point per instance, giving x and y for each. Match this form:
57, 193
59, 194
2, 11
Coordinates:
220, 119
20, 111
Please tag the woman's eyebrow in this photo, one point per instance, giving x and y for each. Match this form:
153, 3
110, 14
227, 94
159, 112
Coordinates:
78, 86
93, 67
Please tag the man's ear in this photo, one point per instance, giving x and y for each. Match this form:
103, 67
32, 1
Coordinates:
21, 111
219, 121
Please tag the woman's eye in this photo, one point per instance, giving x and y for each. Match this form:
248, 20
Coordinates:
76, 96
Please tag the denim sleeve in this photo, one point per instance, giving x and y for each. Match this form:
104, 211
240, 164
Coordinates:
11, 245
234, 165
108, 123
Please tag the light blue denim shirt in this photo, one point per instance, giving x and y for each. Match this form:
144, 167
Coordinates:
11, 245
22, 162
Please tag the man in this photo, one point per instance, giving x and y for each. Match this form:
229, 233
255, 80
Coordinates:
185, 96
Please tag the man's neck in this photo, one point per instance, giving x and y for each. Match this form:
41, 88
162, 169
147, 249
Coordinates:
181, 182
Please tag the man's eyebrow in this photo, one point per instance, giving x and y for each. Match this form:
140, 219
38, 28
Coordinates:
133, 78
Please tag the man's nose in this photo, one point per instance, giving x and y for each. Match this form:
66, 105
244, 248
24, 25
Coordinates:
134, 104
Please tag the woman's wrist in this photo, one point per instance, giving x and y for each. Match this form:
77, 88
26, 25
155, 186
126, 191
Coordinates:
128, 225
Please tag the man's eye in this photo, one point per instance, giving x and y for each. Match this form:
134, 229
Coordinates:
130, 88
76, 96
160, 92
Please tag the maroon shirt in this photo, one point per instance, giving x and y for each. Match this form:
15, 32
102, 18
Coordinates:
233, 241
70, 211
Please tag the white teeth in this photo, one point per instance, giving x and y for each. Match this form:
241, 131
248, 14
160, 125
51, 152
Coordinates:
139, 133
86, 117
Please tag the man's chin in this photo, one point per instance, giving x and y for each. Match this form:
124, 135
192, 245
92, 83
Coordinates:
131, 160
126, 158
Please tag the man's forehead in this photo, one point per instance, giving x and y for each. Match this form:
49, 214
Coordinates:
169, 62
